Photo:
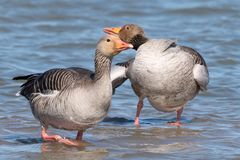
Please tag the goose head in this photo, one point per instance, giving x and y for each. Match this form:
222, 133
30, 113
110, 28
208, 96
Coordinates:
130, 33
111, 45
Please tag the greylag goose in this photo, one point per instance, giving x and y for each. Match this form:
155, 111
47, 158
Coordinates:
167, 74
73, 98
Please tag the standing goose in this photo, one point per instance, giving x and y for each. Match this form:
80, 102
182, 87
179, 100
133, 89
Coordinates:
167, 74
73, 98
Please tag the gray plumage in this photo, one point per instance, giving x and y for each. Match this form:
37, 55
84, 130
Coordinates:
51, 80
167, 74
119, 73
58, 78
69, 98
74, 98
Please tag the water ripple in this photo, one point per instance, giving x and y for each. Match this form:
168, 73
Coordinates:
39, 35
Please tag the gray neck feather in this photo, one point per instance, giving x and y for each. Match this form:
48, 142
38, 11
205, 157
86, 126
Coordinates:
138, 40
102, 65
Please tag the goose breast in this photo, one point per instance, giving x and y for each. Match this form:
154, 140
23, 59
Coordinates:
165, 73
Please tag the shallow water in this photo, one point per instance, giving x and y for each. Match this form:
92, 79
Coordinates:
39, 35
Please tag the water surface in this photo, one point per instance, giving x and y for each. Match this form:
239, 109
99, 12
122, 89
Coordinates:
38, 35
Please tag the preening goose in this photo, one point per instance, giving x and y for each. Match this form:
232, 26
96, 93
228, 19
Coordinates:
73, 98
167, 74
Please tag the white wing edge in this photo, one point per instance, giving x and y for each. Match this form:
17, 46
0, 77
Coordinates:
118, 72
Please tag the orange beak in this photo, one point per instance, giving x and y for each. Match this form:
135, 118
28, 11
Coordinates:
112, 31
120, 45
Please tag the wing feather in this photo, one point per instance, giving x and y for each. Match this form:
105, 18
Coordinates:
200, 70
119, 73
50, 81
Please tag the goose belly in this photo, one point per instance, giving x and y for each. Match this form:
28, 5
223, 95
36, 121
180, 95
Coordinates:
76, 110
173, 94
171, 102
166, 80
165, 72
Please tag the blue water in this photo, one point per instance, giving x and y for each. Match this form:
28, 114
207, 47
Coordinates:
39, 35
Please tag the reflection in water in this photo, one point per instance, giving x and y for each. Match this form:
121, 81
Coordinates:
60, 151
30, 140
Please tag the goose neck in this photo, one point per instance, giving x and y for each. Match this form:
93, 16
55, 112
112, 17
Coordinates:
138, 40
102, 66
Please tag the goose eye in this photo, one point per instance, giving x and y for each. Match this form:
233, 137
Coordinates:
127, 27
108, 40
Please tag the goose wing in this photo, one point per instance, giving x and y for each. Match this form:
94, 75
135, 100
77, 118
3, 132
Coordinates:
51, 80
119, 73
200, 70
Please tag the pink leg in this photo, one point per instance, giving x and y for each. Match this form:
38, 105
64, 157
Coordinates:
139, 108
178, 121
77, 142
55, 138
46, 137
